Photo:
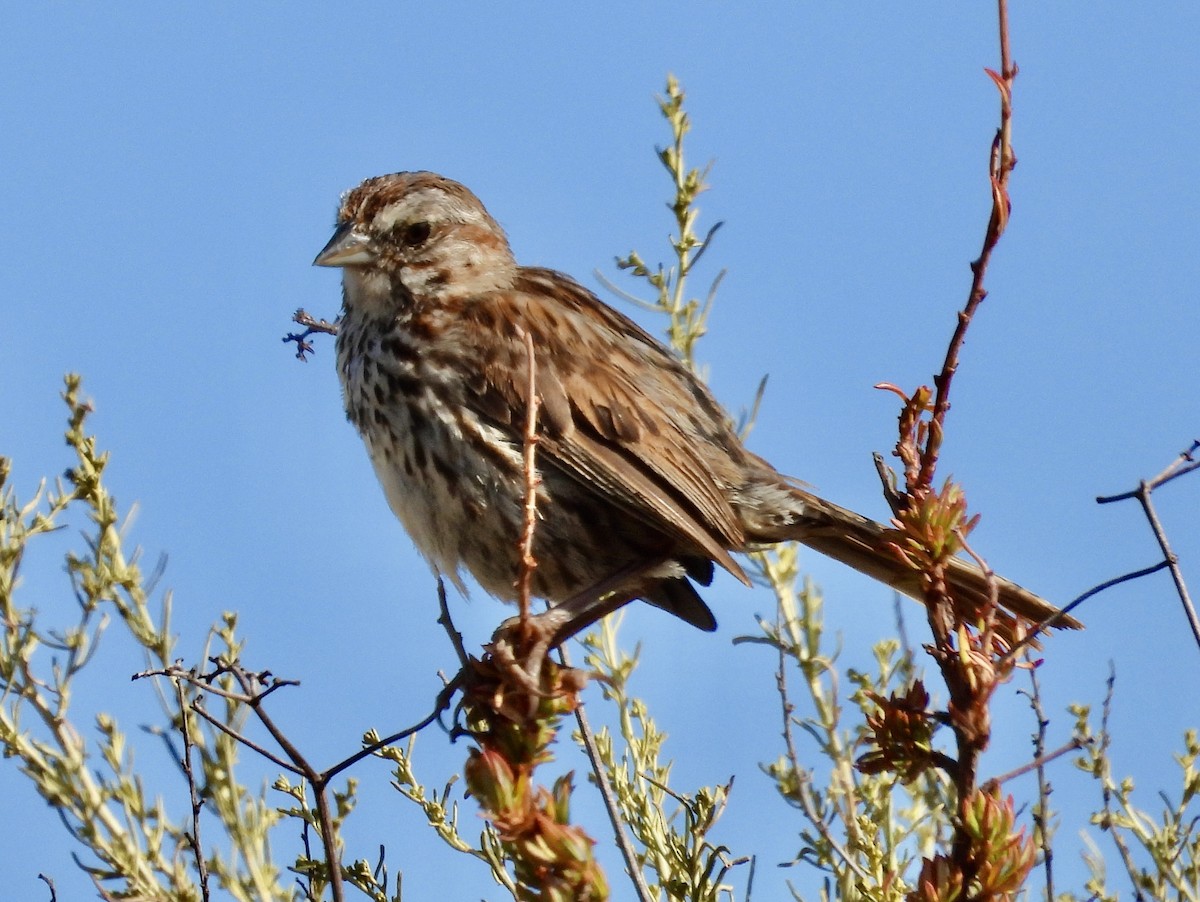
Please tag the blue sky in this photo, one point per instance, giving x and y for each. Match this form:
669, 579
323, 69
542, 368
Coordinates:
171, 171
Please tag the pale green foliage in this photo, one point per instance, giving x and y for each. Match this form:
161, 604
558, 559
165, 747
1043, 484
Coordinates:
372, 881
140, 849
686, 317
866, 833
884, 827
1160, 855
865, 830
670, 826
441, 811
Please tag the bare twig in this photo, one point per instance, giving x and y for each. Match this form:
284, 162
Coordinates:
1109, 821
104, 894
441, 705
447, 623
303, 318
1036, 630
193, 792
50, 883
303, 884
1036, 764
1172, 561
993, 602
887, 479
253, 693
1041, 811
245, 740
803, 794
528, 561
1184, 463
312, 327
318, 781
620, 831
704, 246
748, 417
623, 294
1001, 165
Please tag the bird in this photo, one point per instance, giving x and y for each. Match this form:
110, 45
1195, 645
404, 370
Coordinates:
644, 486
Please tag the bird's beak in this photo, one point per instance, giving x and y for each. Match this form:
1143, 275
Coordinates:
347, 247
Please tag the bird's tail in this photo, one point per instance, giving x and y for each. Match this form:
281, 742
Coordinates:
865, 545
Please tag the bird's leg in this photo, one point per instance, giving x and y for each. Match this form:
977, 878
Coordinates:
526, 643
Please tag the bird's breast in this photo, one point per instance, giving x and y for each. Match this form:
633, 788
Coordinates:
453, 480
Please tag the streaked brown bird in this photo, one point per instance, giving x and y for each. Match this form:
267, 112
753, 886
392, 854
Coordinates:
644, 484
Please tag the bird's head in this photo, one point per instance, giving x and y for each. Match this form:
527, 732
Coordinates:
416, 235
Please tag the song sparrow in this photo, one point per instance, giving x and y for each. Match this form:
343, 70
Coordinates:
644, 484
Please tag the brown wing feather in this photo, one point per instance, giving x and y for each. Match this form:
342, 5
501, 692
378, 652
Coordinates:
595, 423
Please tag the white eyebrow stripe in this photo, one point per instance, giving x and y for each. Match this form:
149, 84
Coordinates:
410, 206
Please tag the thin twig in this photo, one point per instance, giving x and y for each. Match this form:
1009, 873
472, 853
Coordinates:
204, 683
623, 294
528, 562
1109, 822
1169, 556
440, 706
312, 327
193, 793
906, 662
1041, 811
253, 694
1184, 463
306, 886
254, 690
803, 794
104, 894
1002, 163
1181, 465
620, 831
748, 417
1039, 628
447, 623
207, 681
50, 883
993, 601
704, 246
304, 318
333, 858
245, 740
318, 782
1035, 764
887, 478
969, 686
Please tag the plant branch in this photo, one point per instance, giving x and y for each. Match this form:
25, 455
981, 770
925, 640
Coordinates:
50, 883
441, 705
197, 805
312, 327
245, 740
528, 562
608, 796
1183, 464
1036, 764
803, 795
1041, 810
1109, 820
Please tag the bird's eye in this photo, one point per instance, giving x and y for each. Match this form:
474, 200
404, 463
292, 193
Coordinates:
415, 234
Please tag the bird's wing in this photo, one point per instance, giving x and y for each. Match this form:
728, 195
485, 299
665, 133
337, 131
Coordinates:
619, 412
